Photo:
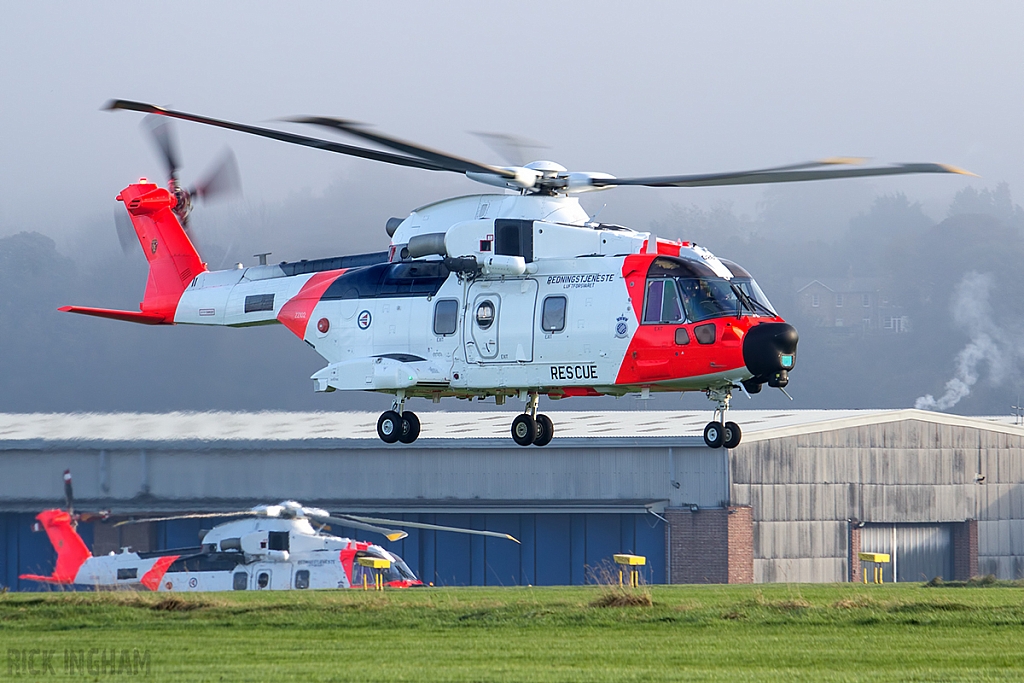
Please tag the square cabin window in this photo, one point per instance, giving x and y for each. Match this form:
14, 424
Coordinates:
446, 317
302, 579
663, 304
552, 318
240, 581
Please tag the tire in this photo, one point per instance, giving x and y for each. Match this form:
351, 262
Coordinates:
389, 426
524, 429
731, 435
412, 432
545, 431
714, 432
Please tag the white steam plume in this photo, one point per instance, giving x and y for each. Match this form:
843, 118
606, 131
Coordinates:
989, 343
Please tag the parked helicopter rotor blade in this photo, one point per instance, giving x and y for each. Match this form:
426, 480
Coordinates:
69, 494
436, 527
390, 534
222, 180
776, 176
205, 515
281, 136
447, 161
161, 132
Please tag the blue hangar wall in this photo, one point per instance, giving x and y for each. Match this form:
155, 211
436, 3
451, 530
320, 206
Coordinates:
555, 549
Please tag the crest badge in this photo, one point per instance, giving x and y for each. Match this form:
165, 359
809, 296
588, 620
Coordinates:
152, 247
621, 326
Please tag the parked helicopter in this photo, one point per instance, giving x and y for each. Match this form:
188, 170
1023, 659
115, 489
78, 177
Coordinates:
272, 547
494, 295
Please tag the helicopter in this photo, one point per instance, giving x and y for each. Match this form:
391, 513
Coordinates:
270, 547
492, 296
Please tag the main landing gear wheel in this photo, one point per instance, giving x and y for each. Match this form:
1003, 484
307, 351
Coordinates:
410, 427
731, 435
714, 434
524, 429
389, 426
545, 431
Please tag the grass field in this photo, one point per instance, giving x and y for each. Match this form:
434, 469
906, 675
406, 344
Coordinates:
715, 633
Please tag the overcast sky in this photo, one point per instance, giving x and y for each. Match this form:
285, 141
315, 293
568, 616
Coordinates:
625, 88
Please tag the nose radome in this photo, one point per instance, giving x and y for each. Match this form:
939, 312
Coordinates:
769, 352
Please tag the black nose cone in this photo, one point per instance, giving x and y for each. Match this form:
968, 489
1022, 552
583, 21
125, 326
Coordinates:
769, 351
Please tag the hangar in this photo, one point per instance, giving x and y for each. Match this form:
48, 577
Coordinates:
797, 500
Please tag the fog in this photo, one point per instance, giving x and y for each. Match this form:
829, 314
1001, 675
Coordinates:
664, 88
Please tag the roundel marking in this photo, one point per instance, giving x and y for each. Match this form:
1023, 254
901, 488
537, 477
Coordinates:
193, 582
364, 319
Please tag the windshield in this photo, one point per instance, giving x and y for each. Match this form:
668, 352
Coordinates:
754, 293
398, 571
403, 570
693, 299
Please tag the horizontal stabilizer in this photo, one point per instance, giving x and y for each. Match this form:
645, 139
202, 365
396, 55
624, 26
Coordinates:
42, 579
127, 316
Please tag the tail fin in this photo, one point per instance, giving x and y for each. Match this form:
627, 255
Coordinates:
173, 260
71, 549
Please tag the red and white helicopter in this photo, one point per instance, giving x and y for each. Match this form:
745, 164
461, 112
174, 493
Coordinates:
517, 294
273, 547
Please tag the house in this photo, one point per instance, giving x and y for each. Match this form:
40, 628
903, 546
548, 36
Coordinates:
850, 304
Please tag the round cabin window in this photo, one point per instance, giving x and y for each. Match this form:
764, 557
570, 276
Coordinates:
485, 315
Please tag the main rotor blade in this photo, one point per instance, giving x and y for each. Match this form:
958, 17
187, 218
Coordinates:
357, 523
775, 176
315, 143
241, 513
447, 161
512, 148
437, 527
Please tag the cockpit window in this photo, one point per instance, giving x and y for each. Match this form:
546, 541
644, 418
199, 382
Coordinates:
749, 287
398, 571
663, 304
705, 298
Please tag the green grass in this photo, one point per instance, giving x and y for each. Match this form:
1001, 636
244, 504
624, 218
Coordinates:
714, 633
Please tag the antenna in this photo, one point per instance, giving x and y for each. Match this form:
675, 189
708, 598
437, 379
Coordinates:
1018, 412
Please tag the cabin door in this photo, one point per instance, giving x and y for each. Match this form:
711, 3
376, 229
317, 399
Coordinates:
499, 321
262, 577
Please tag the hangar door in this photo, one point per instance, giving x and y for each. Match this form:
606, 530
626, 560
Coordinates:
920, 552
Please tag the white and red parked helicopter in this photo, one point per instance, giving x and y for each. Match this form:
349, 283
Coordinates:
495, 295
273, 547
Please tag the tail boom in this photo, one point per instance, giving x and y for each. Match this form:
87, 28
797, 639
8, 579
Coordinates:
72, 552
173, 260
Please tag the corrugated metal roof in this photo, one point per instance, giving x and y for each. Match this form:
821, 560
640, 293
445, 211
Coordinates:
228, 427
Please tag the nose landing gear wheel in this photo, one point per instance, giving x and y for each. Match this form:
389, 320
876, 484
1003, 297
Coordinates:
545, 431
714, 434
390, 426
524, 429
731, 435
410, 427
